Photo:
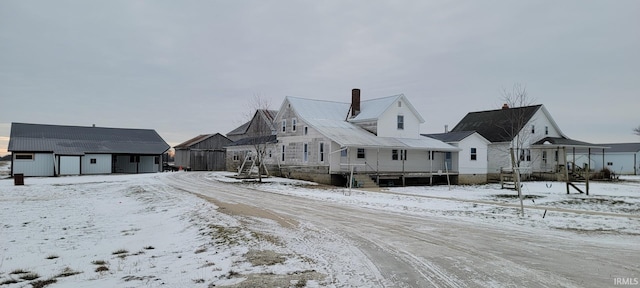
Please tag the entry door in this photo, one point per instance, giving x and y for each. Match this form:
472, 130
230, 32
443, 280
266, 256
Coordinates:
447, 160
69, 165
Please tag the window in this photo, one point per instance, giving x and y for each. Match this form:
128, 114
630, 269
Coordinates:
394, 154
306, 130
236, 157
321, 152
294, 121
555, 157
527, 154
533, 129
474, 154
403, 154
609, 163
94, 161
284, 125
431, 155
134, 159
269, 153
24, 156
305, 152
400, 122
360, 153
283, 148
156, 160
399, 104
546, 130
343, 152
544, 157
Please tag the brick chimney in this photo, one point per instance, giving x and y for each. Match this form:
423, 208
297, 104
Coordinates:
505, 106
355, 102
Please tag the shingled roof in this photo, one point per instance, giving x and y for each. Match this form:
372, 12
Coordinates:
79, 140
497, 125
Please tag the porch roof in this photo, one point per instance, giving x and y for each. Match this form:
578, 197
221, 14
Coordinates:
549, 142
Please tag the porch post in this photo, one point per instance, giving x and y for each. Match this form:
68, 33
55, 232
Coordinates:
587, 168
566, 168
431, 162
573, 166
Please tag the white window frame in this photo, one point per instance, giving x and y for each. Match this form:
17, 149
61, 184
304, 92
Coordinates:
284, 149
32, 156
400, 122
294, 123
321, 152
474, 154
305, 152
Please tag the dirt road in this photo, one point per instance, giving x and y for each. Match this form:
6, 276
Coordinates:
365, 247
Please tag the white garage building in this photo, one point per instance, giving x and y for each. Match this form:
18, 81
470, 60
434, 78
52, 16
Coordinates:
55, 150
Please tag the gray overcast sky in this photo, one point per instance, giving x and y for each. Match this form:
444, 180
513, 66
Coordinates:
186, 68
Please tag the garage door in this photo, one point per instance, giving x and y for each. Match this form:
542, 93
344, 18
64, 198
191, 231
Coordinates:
69, 165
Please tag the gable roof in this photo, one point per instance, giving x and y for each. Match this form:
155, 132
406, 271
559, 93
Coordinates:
329, 119
451, 136
374, 108
267, 115
196, 140
79, 140
496, 125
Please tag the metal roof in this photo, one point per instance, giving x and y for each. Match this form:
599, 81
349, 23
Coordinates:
196, 140
622, 147
329, 118
565, 142
79, 140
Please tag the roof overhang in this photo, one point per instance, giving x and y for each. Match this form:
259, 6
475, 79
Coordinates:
557, 142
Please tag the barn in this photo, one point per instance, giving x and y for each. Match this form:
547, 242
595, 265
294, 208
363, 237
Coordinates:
202, 153
56, 150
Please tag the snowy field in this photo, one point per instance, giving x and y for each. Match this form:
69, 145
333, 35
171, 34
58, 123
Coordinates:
136, 231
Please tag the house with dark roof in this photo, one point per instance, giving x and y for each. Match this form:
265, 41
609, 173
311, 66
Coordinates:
55, 150
538, 144
204, 152
377, 140
472, 159
619, 158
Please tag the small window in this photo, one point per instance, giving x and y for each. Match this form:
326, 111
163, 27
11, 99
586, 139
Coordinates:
527, 153
474, 154
360, 153
306, 130
305, 152
609, 163
283, 149
431, 155
400, 122
294, 122
94, 161
343, 152
156, 160
24, 156
321, 152
394, 154
269, 153
546, 130
533, 129
544, 157
403, 154
284, 125
236, 157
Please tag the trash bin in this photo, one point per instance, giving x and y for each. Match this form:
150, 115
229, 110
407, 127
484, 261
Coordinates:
18, 179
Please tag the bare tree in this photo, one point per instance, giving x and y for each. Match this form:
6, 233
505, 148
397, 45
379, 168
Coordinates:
636, 131
513, 128
260, 130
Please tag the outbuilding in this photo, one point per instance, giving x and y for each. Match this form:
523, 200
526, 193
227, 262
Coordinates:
55, 150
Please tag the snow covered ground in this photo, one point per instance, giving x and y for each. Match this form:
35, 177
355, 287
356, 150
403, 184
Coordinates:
137, 231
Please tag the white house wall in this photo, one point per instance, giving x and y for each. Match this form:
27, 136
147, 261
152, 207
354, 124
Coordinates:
478, 166
622, 163
102, 165
388, 122
42, 164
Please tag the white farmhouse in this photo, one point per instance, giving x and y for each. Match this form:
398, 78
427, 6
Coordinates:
473, 157
379, 140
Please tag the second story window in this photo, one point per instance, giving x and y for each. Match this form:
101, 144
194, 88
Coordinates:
294, 122
546, 130
533, 129
400, 122
360, 153
284, 125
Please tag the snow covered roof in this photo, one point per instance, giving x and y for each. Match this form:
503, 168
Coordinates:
78, 140
329, 118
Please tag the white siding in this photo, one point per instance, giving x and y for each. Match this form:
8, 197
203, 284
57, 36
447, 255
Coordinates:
41, 165
69, 165
478, 166
102, 165
622, 163
388, 122
148, 164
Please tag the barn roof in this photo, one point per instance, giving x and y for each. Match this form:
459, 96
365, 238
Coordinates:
79, 140
268, 116
329, 118
196, 140
496, 125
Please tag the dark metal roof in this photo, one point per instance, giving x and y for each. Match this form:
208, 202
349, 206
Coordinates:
196, 140
622, 147
78, 140
450, 136
566, 142
497, 125
254, 140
